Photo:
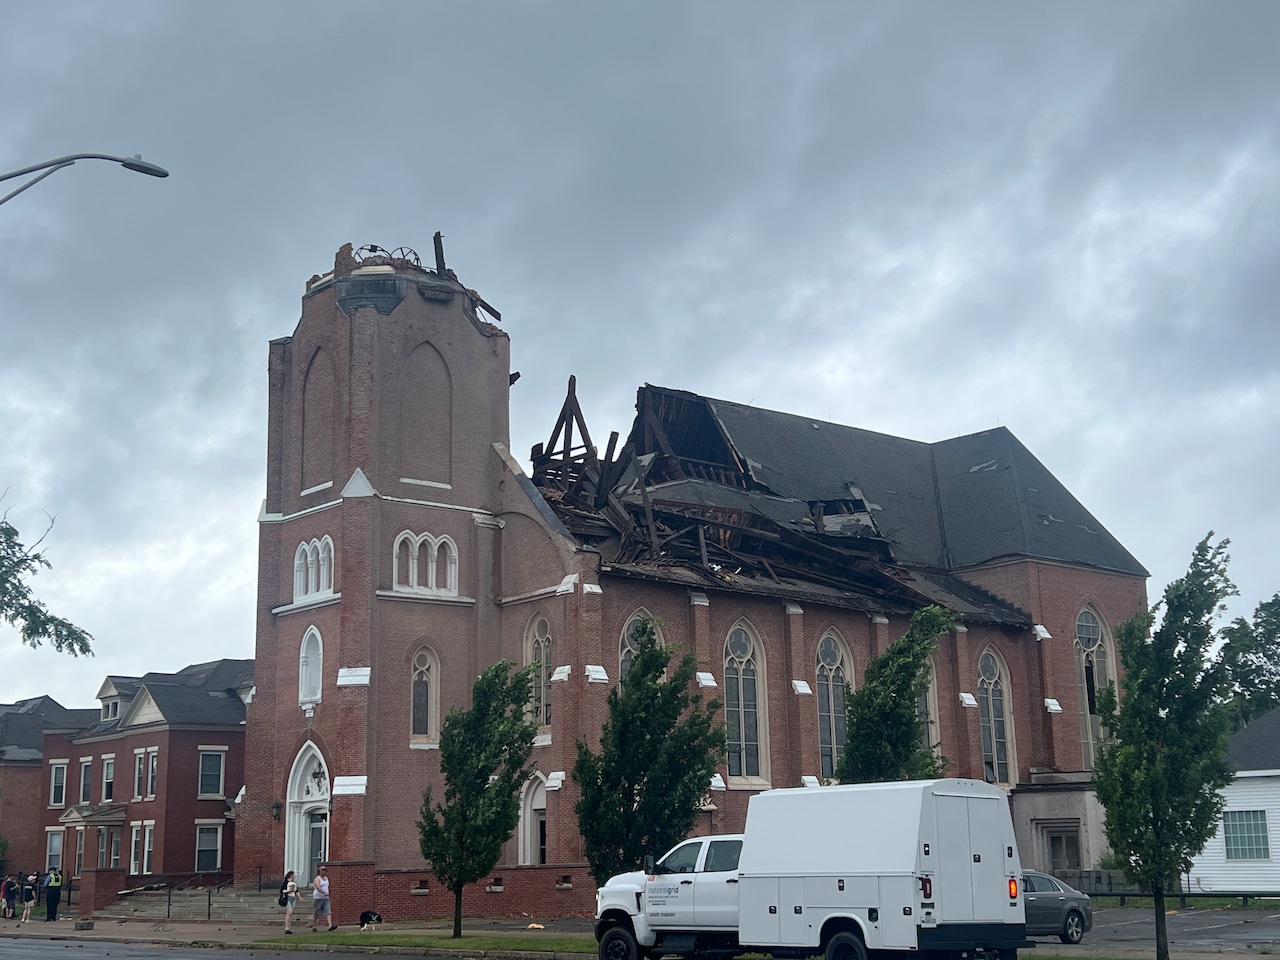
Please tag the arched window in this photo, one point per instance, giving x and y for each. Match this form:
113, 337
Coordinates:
628, 644
310, 669
313, 569
745, 704
833, 681
993, 700
1093, 675
538, 653
425, 693
425, 564
927, 712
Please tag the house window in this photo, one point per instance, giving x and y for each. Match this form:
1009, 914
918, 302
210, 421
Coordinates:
1093, 675
992, 689
538, 645
208, 847
153, 773
110, 709
1064, 850
744, 707
86, 780
211, 765
310, 665
108, 778
115, 851
58, 784
139, 773
148, 847
425, 697
313, 569
135, 847
79, 851
1245, 832
832, 670
102, 848
425, 564
53, 849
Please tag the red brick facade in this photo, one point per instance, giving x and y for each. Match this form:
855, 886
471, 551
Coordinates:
388, 416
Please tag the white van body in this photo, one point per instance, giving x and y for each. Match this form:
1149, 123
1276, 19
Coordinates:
928, 866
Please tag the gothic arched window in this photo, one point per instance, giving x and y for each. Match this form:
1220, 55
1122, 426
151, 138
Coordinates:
833, 681
538, 653
1093, 675
993, 686
425, 693
745, 704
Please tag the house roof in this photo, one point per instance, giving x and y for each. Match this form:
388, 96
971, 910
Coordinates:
203, 694
1257, 745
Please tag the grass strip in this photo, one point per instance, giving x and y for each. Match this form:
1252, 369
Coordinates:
516, 943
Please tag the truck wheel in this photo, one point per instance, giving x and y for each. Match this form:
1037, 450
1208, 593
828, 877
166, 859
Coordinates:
618, 944
1072, 928
846, 946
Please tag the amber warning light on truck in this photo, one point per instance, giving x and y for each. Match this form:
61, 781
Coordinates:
1013, 888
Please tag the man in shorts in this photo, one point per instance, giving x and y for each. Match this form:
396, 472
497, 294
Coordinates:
322, 914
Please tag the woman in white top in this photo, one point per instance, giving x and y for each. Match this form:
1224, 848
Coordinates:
320, 893
289, 891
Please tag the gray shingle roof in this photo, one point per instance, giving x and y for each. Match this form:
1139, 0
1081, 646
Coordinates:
945, 505
1257, 746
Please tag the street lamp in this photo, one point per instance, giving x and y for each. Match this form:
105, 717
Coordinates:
134, 163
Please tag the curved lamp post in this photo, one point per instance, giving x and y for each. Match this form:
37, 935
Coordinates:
134, 163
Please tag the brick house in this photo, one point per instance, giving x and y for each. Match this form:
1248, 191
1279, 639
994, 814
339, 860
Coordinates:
24, 781
403, 549
143, 792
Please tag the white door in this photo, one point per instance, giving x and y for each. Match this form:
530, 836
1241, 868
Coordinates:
951, 885
715, 886
990, 886
668, 896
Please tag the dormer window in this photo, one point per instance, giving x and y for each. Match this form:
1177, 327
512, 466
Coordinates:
110, 709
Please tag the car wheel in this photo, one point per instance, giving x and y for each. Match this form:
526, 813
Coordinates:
618, 944
1072, 928
846, 946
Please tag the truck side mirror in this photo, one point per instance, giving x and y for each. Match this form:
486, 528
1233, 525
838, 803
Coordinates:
648, 864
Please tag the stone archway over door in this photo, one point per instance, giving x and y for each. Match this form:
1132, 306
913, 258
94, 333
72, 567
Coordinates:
533, 821
306, 827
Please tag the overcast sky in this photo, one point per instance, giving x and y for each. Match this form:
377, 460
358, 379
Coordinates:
925, 220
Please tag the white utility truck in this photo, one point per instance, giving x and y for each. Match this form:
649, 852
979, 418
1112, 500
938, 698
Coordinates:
925, 866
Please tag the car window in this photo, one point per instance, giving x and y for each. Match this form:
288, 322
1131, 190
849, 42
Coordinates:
1051, 885
723, 856
1035, 883
682, 859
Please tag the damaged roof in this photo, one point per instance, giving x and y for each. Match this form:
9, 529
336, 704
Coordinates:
722, 495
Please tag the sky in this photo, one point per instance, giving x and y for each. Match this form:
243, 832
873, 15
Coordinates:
924, 219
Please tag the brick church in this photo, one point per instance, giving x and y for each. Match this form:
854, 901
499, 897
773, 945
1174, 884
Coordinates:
403, 548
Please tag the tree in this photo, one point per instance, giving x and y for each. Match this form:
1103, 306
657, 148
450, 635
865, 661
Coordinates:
1160, 770
1251, 657
20, 609
882, 739
483, 752
658, 750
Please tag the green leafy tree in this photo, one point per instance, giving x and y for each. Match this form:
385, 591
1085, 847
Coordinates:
1161, 768
882, 738
1251, 657
658, 750
19, 608
483, 753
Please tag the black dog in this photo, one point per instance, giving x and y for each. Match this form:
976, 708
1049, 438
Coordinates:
369, 919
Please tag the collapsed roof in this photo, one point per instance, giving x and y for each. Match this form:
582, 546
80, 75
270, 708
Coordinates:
715, 494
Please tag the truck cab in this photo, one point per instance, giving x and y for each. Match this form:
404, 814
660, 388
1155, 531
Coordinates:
688, 903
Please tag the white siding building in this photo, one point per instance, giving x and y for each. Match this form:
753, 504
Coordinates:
1243, 855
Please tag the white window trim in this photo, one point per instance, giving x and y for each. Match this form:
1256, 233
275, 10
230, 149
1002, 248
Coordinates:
152, 772
108, 758
430, 739
148, 847
416, 542
308, 696
313, 569
65, 764
208, 824
221, 754
86, 784
139, 778
763, 781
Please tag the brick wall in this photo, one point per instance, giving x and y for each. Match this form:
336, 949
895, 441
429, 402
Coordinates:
23, 797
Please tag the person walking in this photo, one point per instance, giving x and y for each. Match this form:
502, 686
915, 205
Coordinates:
28, 896
320, 894
53, 896
288, 897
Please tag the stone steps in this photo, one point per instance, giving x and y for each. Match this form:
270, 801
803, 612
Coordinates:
229, 904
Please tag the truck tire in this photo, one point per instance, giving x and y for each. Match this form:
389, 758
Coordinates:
1072, 928
846, 946
618, 944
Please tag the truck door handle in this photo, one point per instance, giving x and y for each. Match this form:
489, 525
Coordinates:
732, 880
685, 883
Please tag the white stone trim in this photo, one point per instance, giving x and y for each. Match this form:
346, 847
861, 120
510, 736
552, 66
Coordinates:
567, 584
349, 786
212, 748
423, 597
353, 676
316, 489
427, 483
802, 688
319, 600
436, 503
592, 588
488, 520
264, 517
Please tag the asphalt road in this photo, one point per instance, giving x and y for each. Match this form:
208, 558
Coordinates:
1198, 930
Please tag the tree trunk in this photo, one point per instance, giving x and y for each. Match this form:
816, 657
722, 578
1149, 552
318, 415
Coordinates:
1162, 933
457, 915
